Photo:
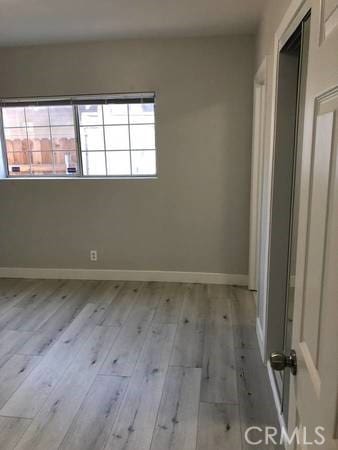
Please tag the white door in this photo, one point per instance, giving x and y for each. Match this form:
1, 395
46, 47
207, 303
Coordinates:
313, 392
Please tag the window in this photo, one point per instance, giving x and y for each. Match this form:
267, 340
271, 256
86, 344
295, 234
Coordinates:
40, 140
112, 136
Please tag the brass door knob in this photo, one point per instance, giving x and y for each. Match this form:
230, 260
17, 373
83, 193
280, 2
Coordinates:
279, 361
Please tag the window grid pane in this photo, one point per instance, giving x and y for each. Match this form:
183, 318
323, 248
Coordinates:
38, 142
116, 131
105, 144
89, 140
143, 162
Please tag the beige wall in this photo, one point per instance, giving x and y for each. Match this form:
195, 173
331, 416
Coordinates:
273, 14
195, 216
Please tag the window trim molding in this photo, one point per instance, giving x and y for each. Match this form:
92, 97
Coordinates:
77, 100
3, 147
103, 99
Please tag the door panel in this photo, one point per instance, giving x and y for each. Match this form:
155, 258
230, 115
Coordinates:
313, 392
317, 222
317, 342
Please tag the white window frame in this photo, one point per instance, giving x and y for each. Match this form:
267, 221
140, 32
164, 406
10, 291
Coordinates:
75, 102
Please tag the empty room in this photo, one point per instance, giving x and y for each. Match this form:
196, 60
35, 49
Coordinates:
169, 225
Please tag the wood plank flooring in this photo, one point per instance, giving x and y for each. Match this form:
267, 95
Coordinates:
106, 365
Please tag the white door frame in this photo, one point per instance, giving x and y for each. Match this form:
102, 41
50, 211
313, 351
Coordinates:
321, 384
292, 18
257, 160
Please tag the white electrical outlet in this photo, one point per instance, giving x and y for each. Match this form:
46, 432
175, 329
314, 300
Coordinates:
93, 255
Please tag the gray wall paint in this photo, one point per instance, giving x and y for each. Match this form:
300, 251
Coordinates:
195, 216
273, 13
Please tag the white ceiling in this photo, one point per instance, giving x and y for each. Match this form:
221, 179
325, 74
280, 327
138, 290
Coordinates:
47, 21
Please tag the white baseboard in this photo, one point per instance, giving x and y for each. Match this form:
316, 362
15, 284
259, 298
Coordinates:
124, 275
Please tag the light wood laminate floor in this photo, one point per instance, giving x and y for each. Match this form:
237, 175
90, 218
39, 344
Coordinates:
90, 365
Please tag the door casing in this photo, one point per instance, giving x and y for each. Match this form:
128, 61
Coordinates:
294, 15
